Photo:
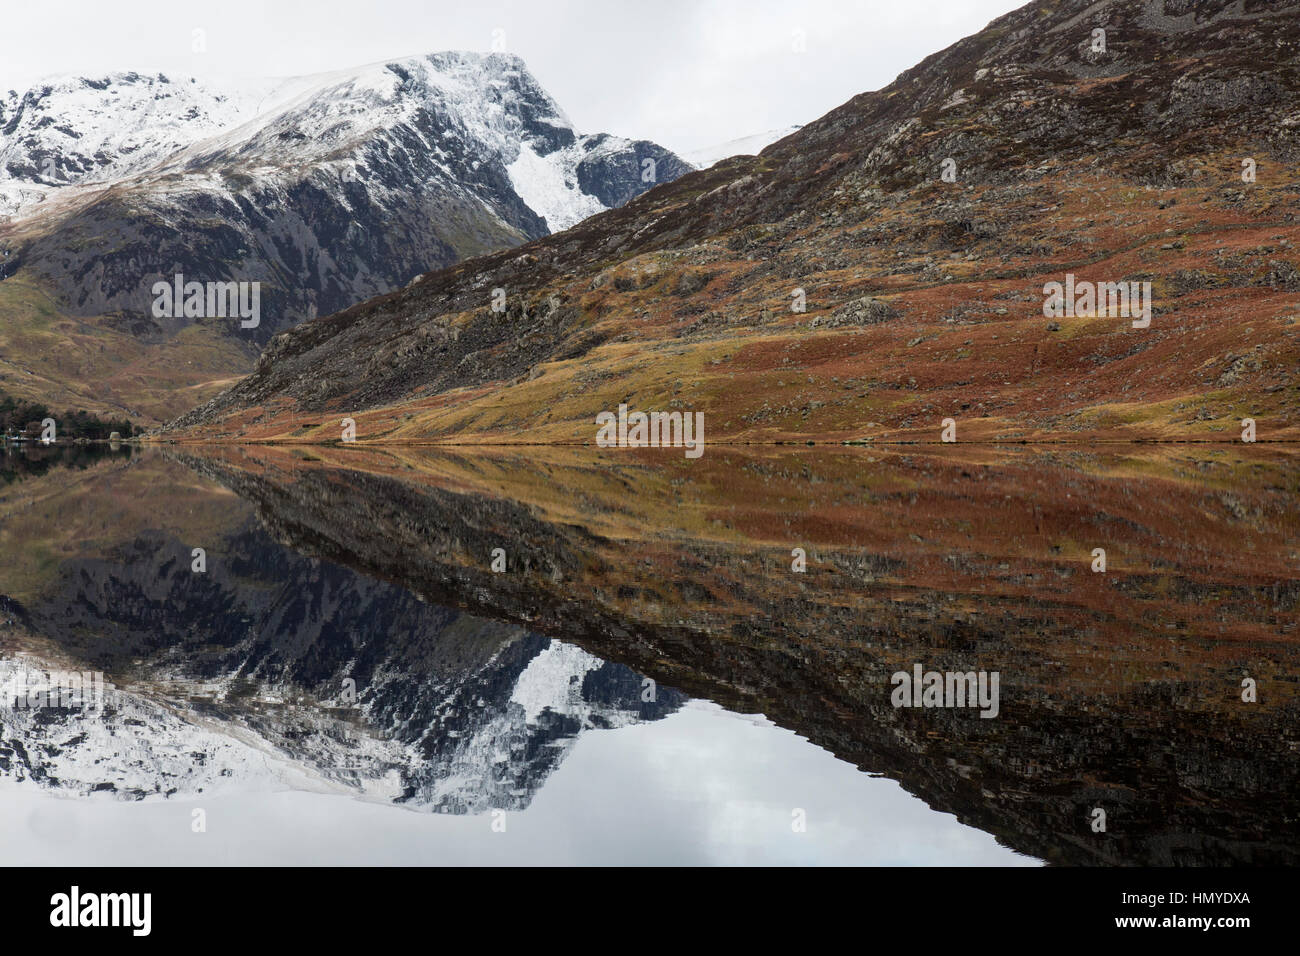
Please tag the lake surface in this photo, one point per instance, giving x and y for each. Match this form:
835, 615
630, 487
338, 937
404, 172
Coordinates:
572, 656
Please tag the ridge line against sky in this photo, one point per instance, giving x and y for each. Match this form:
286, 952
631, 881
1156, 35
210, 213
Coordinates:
687, 74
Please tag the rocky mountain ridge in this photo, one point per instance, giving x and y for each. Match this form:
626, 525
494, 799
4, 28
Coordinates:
323, 190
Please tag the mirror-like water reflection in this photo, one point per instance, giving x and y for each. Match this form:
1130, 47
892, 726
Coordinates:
313, 648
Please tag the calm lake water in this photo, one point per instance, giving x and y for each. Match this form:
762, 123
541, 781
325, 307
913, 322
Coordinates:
573, 656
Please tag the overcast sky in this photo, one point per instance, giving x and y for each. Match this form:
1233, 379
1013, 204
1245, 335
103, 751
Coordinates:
685, 73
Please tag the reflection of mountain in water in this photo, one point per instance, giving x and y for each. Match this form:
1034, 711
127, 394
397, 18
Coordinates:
1119, 691
271, 666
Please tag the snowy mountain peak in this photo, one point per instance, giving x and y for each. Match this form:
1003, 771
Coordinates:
352, 182
79, 130
85, 129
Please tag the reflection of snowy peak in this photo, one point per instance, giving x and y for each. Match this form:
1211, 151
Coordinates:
132, 748
553, 681
329, 188
481, 741
496, 734
500, 752
274, 668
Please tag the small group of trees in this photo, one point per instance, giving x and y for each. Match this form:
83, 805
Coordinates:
23, 418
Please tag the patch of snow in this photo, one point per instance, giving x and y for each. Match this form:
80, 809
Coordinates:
549, 185
745, 146
553, 680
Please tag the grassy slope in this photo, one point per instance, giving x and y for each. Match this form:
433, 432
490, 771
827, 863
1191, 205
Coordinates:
970, 341
83, 363
80, 513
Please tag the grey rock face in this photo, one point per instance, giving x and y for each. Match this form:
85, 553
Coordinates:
616, 170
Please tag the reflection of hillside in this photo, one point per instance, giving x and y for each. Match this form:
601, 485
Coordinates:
82, 513
29, 459
1118, 690
237, 675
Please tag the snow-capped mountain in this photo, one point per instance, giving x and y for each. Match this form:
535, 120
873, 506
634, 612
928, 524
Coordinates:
745, 146
327, 189
74, 130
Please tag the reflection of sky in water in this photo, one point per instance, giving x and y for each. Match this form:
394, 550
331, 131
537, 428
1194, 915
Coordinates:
701, 786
